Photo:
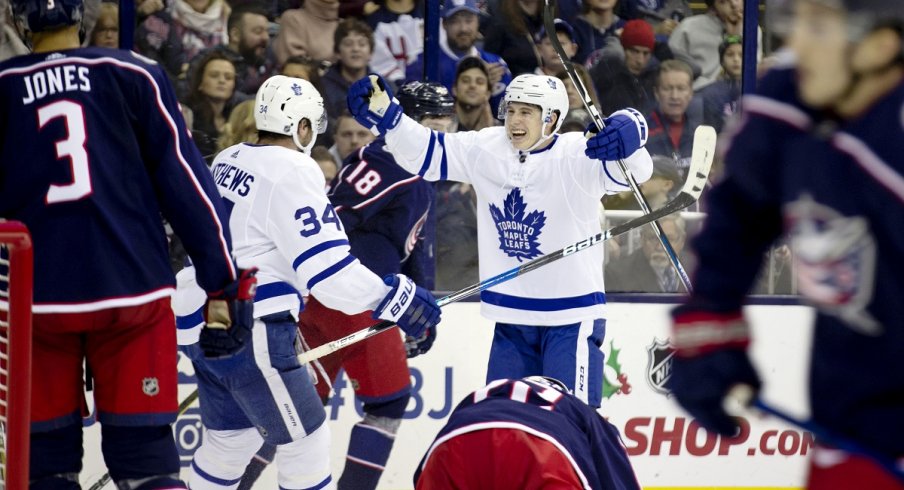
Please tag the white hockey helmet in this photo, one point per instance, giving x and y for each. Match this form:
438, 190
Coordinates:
548, 93
282, 102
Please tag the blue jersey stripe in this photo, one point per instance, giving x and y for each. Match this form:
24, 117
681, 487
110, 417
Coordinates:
329, 271
443, 164
274, 289
542, 304
606, 168
207, 476
190, 321
316, 249
426, 166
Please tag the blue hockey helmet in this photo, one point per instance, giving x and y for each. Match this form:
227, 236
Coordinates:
46, 15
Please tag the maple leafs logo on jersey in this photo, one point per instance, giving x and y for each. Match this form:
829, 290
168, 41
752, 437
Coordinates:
518, 232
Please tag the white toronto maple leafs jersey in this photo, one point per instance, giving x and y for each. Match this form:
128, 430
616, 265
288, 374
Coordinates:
528, 205
282, 223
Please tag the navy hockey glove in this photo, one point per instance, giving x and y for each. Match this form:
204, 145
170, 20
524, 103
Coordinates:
415, 346
371, 103
228, 316
410, 306
625, 133
710, 359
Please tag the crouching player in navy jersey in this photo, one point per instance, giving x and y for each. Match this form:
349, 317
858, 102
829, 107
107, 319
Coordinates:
93, 151
287, 228
537, 191
817, 157
525, 434
384, 210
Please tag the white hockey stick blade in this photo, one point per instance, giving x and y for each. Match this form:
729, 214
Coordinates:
701, 160
702, 154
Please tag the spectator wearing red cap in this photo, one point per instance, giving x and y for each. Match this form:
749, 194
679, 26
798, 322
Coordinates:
627, 82
596, 28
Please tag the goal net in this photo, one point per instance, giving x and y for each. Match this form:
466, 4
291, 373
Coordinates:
15, 353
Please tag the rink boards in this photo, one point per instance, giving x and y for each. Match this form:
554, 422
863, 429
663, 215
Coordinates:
667, 448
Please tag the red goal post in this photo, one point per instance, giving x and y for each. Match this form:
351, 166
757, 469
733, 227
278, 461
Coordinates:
16, 277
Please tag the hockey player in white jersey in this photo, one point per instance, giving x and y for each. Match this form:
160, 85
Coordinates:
537, 191
256, 391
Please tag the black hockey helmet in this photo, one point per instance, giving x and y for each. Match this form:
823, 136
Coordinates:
45, 15
419, 99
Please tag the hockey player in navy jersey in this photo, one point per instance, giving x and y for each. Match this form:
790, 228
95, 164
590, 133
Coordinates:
817, 157
93, 150
384, 211
537, 191
530, 433
285, 226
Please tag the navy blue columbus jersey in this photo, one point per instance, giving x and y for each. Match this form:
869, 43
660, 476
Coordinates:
385, 213
589, 441
835, 188
94, 154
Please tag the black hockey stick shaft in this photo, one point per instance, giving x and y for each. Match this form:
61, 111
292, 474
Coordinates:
831, 438
743, 396
549, 24
701, 160
183, 407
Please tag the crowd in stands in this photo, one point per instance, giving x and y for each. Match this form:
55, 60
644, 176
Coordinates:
679, 67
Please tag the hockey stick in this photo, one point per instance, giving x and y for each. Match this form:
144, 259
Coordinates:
744, 396
183, 407
701, 159
549, 24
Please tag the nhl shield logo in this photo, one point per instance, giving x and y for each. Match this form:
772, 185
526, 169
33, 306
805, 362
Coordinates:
659, 365
150, 386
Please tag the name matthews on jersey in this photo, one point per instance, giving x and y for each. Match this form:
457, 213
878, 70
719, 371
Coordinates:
231, 177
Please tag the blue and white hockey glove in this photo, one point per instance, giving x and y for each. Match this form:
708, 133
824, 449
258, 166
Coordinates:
710, 359
371, 103
228, 317
415, 346
408, 305
625, 133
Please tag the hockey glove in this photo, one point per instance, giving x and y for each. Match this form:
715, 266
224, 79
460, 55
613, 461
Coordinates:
228, 317
415, 346
411, 307
625, 133
710, 359
371, 103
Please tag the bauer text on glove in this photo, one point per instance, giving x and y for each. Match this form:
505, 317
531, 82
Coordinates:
410, 306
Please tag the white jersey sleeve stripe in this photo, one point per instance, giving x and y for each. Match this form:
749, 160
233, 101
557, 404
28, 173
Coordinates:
320, 247
329, 271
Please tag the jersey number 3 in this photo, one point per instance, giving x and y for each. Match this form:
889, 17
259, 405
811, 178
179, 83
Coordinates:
73, 148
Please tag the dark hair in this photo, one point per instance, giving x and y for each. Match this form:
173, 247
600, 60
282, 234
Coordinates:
237, 16
469, 62
514, 17
195, 99
349, 26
